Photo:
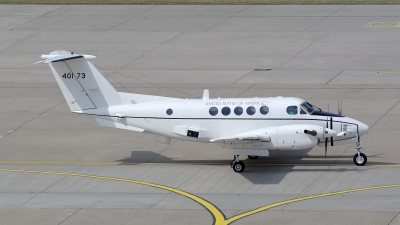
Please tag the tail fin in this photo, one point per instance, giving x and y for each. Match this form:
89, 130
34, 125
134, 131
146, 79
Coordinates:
82, 85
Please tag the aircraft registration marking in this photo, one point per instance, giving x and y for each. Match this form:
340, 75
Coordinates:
219, 218
72, 75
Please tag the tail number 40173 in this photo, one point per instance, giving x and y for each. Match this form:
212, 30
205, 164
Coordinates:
71, 75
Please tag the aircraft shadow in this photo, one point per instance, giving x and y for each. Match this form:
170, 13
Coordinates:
264, 170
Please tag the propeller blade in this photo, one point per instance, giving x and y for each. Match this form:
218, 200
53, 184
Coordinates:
326, 146
326, 139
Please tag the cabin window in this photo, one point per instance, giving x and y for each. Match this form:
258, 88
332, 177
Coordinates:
213, 111
226, 111
251, 110
291, 110
169, 111
264, 110
238, 110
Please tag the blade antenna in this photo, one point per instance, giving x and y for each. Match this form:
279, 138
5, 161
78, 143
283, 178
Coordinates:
340, 106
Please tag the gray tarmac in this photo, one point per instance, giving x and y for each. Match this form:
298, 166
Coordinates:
321, 53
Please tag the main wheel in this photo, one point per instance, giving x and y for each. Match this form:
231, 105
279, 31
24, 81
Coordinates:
360, 160
238, 166
253, 156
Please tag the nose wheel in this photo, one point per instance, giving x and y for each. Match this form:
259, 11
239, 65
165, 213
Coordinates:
360, 159
237, 166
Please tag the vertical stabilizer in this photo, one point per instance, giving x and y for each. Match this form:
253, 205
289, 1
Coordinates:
82, 85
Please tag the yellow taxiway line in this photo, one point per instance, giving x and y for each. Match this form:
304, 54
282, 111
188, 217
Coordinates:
263, 208
218, 217
214, 211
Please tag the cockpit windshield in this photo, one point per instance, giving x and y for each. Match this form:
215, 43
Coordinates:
308, 107
315, 111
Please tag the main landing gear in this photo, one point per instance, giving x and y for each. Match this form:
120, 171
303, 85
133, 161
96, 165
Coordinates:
237, 166
360, 158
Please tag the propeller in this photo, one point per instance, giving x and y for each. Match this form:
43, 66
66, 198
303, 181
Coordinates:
326, 139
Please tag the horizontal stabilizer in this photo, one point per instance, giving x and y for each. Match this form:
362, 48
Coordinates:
62, 55
62, 58
108, 122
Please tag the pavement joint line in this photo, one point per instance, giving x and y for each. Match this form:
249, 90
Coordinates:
384, 115
302, 50
189, 178
14, 43
148, 52
312, 182
162, 151
335, 77
243, 76
166, 195
227, 18
325, 18
37, 116
393, 218
246, 90
40, 192
69, 216
219, 217
131, 18
38, 16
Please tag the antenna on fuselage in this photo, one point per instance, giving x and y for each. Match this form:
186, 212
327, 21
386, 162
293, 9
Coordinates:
206, 94
340, 107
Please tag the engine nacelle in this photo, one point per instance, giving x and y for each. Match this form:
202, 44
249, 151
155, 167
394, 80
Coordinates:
291, 137
286, 137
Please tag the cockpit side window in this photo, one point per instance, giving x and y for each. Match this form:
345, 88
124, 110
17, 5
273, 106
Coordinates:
302, 111
292, 110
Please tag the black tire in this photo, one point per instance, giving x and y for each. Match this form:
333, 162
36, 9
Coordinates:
238, 166
252, 156
360, 161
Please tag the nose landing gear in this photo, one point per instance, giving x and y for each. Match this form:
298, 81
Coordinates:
360, 159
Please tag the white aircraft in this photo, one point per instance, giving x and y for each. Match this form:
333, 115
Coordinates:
248, 126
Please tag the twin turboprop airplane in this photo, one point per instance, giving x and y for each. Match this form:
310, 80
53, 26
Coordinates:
248, 126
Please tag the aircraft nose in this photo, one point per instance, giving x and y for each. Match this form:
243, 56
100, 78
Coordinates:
363, 128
